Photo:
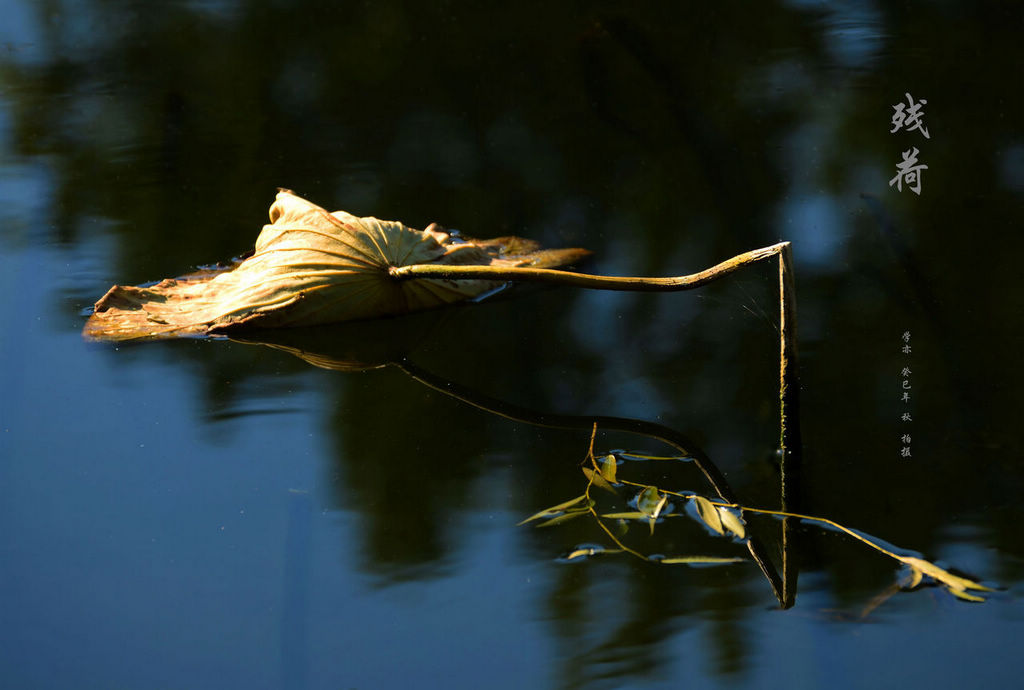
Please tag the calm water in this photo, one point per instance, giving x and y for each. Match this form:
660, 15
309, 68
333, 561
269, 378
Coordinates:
222, 514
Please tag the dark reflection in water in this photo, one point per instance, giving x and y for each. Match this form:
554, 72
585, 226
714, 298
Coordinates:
142, 139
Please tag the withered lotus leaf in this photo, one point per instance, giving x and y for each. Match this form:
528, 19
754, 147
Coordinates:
312, 267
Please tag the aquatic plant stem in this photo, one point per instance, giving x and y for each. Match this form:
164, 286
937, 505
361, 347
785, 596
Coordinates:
789, 420
586, 280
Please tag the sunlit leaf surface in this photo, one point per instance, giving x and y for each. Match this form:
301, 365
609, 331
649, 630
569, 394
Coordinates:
564, 517
649, 501
585, 551
580, 553
312, 267
597, 479
554, 511
732, 522
699, 560
708, 512
609, 467
956, 585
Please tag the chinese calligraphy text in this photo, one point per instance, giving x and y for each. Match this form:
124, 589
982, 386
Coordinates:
909, 117
905, 388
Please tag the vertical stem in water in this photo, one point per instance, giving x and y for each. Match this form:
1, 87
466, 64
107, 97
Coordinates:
789, 420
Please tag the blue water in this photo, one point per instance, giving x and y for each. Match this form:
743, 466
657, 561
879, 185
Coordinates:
220, 514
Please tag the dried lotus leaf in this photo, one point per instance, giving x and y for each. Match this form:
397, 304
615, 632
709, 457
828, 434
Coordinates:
311, 267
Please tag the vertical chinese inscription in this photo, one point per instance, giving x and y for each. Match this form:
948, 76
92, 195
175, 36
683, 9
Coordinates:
909, 117
905, 388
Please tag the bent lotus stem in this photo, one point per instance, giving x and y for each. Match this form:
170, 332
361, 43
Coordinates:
585, 280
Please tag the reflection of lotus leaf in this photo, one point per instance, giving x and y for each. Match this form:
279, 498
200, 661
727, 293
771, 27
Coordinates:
312, 267
350, 346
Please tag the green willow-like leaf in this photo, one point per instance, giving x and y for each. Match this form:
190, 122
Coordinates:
598, 480
555, 510
708, 512
587, 551
651, 502
609, 467
732, 522
956, 585
629, 515
961, 594
699, 560
565, 517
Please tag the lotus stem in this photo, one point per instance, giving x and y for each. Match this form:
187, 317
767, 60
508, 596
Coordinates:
585, 280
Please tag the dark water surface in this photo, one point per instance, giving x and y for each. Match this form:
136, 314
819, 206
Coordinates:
220, 514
